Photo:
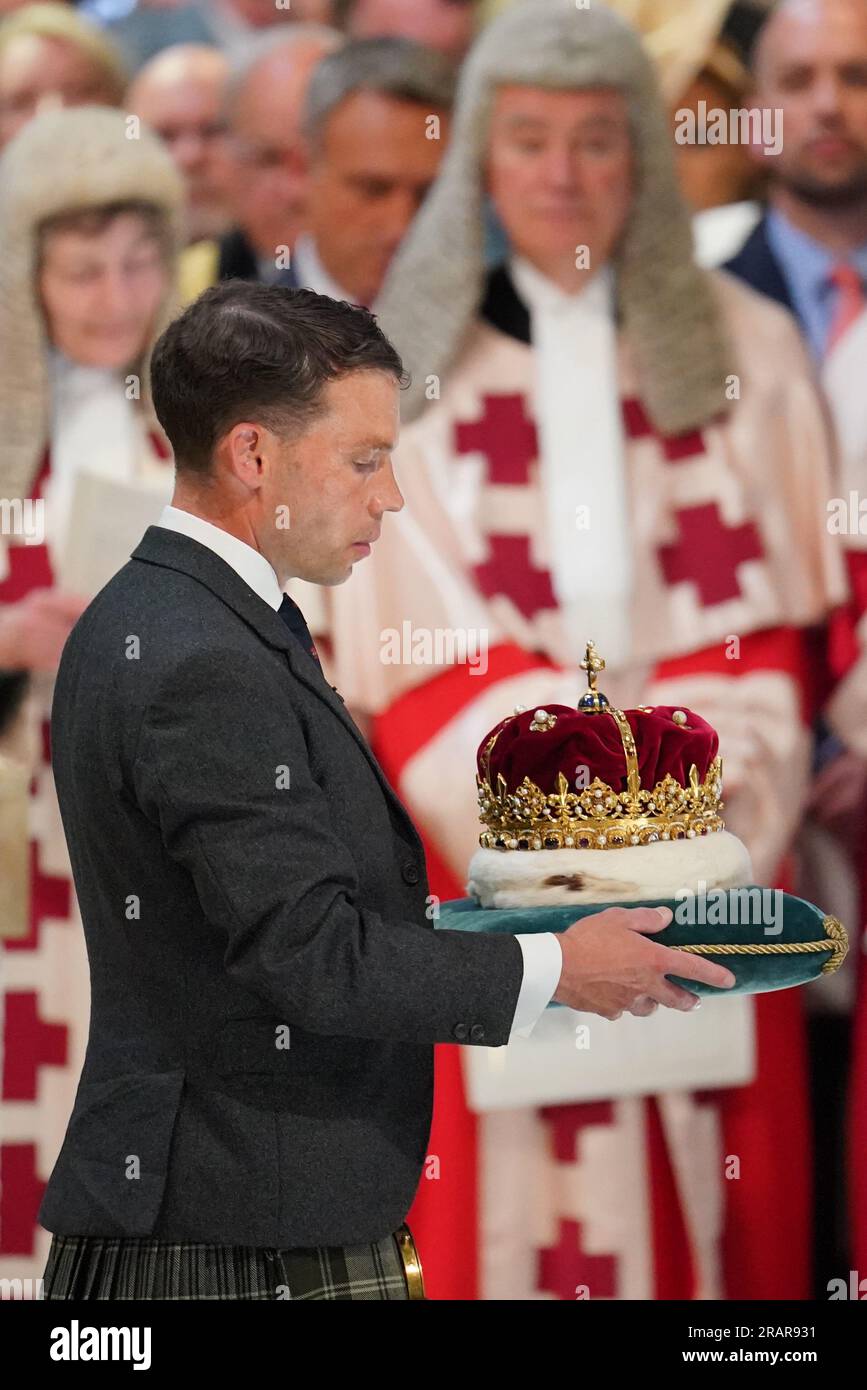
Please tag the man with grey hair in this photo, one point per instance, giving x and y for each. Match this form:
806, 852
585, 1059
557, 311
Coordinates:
267, 190
376, 124
180, 94
601, 441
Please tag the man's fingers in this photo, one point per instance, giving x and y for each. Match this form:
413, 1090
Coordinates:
646, 918
673, 997
690, 967
643, 1006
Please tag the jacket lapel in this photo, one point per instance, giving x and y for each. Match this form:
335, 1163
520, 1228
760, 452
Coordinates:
758, 267
171, 549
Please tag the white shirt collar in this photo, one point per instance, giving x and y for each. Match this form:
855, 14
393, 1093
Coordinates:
538, 292
311, 273
250, 564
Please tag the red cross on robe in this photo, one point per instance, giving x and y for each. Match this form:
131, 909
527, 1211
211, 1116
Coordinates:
566, 1266
707, 553
507, 438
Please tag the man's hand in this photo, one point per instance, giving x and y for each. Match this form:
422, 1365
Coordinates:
609, 966
33, 630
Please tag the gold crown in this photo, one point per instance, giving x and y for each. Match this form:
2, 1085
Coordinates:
597, 816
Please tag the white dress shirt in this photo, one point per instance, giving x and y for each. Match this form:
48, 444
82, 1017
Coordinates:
311, 273
582, 457
543, 957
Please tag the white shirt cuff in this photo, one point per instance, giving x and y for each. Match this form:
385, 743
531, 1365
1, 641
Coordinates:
543, 965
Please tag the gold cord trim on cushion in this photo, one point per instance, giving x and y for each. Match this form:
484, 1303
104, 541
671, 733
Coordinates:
838, 945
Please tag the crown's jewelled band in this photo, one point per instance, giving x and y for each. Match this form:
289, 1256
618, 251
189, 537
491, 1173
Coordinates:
598, 817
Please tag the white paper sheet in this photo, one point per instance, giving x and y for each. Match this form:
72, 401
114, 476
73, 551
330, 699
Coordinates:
107, 519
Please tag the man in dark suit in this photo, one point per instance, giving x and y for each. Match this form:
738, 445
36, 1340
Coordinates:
267, 984
809, 251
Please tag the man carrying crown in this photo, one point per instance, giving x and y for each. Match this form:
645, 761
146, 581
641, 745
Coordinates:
599, 439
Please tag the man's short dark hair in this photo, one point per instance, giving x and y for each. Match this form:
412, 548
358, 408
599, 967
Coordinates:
244, 351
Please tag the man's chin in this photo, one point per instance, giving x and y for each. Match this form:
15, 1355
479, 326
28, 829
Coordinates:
824, 191
338, 571
333, 577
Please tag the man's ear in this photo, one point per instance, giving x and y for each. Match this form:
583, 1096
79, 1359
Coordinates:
243, 446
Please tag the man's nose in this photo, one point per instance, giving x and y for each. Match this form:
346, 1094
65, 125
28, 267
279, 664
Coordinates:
563, 169
388, 497
828, 95
396, 214
114, 291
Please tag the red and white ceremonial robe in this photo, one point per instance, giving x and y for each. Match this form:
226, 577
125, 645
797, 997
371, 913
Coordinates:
44, 978
636, 1197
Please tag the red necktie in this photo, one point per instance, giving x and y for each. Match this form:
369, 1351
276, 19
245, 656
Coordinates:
850, 302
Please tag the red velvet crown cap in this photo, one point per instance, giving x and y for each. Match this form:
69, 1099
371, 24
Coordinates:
592, 740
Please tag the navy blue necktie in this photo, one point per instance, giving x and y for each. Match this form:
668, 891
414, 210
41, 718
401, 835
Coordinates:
294, 620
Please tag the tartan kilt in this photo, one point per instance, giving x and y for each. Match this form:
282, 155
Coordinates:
119, 1268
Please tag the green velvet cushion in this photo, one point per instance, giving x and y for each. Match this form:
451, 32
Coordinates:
781, 925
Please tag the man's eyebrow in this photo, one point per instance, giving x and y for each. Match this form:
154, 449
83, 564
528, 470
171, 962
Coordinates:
603, 119
600, 121
369, 453
518, 120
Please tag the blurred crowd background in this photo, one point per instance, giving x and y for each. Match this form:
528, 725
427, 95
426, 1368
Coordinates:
151, 149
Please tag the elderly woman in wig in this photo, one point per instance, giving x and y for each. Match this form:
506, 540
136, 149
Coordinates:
52, 56
90, 225
601, 441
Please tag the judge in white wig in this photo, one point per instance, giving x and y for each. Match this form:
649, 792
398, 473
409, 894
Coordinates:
91, 227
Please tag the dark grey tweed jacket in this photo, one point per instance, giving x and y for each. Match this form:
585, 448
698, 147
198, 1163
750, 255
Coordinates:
266, 987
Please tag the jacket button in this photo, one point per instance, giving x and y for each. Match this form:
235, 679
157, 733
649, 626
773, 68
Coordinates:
461, 1032
337, 693
410, 873
477, 1033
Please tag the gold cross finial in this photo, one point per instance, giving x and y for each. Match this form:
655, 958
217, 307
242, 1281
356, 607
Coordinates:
592, 701
592, 664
